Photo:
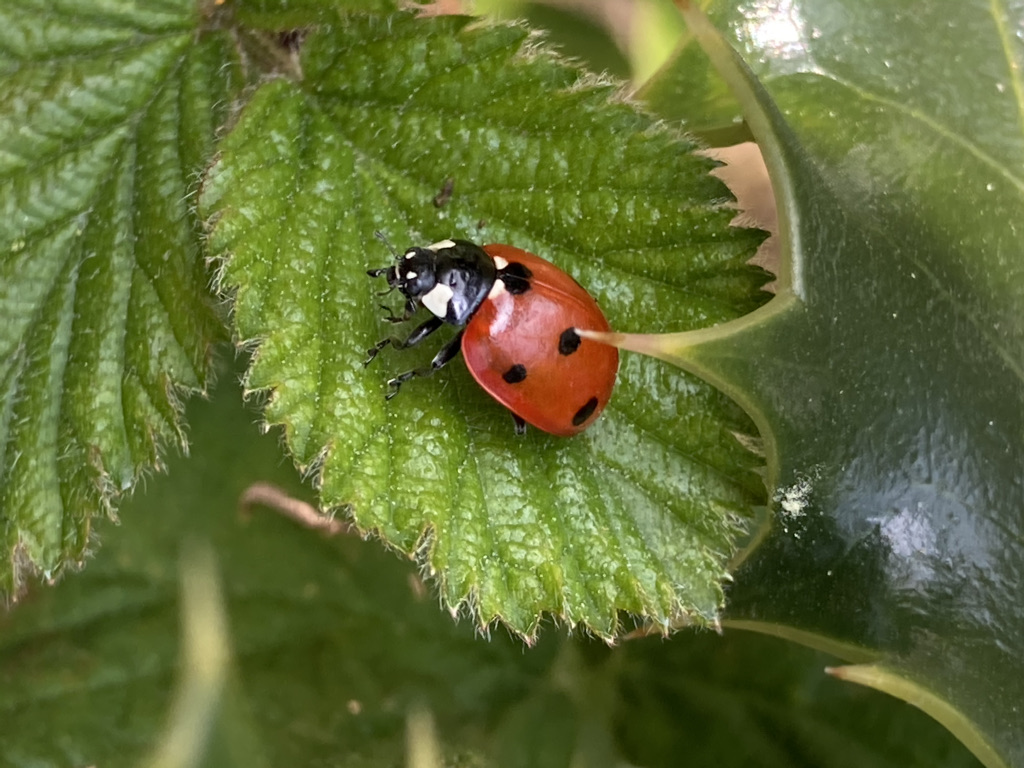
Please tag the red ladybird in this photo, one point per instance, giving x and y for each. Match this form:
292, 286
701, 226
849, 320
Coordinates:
519, 315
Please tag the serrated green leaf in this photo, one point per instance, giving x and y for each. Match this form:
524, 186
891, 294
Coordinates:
636, 514
886, 376
105, 122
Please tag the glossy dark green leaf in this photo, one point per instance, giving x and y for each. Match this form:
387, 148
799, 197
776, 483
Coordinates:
106, 119
636, 514
886, 375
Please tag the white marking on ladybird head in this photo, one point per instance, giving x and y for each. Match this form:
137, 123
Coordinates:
497, 289
500, 263
437, 298
411, 275
441, 245
410, 254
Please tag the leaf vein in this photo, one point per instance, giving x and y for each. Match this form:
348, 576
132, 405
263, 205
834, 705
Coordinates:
940, 130
1014, 65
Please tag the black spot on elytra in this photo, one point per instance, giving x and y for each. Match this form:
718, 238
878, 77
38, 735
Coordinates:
515, 374
585, 412
516, 278
568, 342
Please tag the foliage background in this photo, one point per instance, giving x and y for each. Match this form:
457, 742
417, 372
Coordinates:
333, 643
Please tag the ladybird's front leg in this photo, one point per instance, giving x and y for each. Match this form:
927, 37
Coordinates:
389, 273
410, 309
415, 338
447, 353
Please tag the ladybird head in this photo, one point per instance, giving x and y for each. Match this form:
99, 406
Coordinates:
450, 278
415, 274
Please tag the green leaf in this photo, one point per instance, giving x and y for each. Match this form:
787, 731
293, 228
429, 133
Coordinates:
886, 375
572, 34
687, 88
297, 14
749, 700
333, 643
638, 513
106, 119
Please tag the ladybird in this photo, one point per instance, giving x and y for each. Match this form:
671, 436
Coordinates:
518, 316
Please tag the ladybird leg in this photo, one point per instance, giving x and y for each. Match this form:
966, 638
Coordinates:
410, 310
415, 338
384, 272
447, 353
419, 334
520, 423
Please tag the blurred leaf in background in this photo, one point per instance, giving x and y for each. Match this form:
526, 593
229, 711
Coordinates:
334, 641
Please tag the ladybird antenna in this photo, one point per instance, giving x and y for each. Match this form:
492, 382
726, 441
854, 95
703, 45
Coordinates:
384, 239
